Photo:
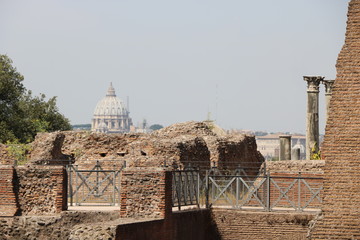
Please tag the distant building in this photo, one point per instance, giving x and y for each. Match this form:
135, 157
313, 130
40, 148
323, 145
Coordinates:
240, 131
269, 145
111, 115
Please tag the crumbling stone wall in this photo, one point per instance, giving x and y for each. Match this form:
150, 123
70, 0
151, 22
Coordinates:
341, 147
146, 214
146, 193
58, 226
41, 189
138, 150
48, 149
5, 157
226, 150
295, 166
195, 143
32, 190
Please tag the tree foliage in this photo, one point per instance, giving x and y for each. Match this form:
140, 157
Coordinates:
21, 114
155, 127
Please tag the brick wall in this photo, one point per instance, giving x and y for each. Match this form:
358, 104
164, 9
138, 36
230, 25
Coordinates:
42, 189
195, 143
286, 173
233, 151
146, 229
186, 225
295, 166
146, 193
33, 190
341, 148
194, 224
233, 224
52, 227
300, 192
145, 210
8, 200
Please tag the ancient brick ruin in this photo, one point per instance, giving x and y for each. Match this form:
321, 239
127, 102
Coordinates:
146, 193
32, 190
341, 149
146, 211
198, 144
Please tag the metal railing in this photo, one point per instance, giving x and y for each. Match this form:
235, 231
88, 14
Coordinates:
265, 193
186, 186
96, 185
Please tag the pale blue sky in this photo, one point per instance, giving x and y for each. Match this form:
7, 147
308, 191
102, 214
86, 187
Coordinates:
241, 60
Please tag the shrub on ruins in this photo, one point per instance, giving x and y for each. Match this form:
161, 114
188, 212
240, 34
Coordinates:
22, 115
315, 154
19, 151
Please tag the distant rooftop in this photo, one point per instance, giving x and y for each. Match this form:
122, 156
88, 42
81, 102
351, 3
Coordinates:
276, 136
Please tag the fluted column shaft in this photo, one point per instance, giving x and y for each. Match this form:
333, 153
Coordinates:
328, 92
312, 116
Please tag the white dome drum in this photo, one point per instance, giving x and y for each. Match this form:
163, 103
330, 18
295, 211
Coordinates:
111, 115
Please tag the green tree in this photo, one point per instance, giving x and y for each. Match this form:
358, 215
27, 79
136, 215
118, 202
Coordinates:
155, 127
44, 115
11, 90
21, 114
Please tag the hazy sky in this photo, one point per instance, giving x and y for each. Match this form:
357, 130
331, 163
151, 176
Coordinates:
241, 60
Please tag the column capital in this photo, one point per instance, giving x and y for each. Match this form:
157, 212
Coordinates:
313, 83
328, 86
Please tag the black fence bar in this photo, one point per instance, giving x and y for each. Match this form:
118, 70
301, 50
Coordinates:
186, 186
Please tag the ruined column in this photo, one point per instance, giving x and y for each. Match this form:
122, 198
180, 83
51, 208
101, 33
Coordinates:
312, 118
285, 147
295, 154
328, 92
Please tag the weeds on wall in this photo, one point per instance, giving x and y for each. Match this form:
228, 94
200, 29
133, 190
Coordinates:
315, 155
19, 151
77, 153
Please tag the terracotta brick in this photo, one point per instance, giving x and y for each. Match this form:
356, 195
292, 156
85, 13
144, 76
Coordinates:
341, 146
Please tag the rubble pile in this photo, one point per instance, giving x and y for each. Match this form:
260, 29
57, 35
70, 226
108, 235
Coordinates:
226, 150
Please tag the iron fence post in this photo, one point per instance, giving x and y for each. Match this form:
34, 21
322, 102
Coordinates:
299, 192
213, 188
178, 185
198, 189
76, 184
114, 189
207, 189
268, 192
237, 192
97, 177
70, 184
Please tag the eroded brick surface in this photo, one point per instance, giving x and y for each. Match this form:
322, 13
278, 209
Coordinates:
341, 149
32, 190
177, 145
8, 200
145, 193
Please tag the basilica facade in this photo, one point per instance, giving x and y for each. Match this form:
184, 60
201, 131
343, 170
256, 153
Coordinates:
111, 115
